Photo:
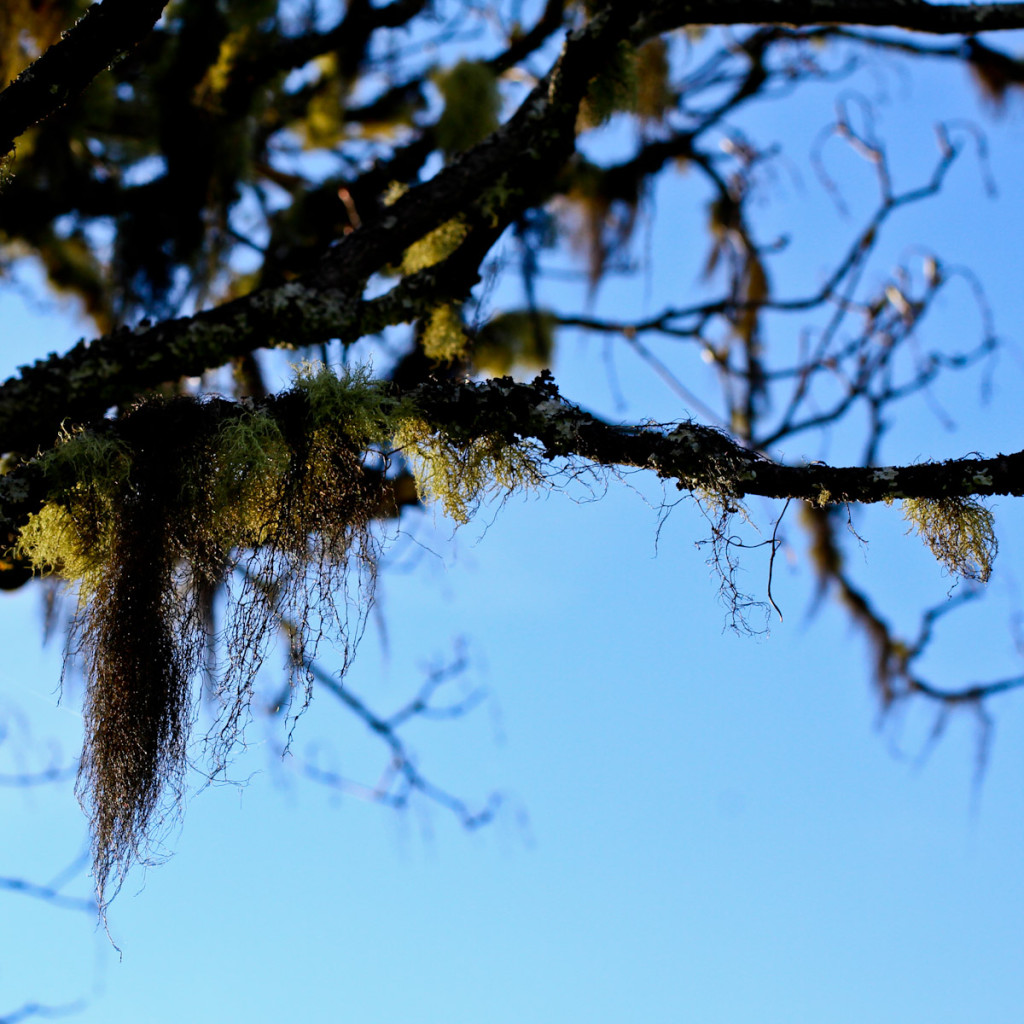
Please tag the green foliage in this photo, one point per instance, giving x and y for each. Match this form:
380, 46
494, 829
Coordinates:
959, 532
472, 104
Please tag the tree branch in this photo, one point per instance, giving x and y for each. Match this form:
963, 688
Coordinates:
913, 15
105, 33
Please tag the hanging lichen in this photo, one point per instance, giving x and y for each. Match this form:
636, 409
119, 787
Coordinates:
462, 474
602, 212
654, 93
324, 125
273, 504
994, 72
472, 104
959, 532
612, 90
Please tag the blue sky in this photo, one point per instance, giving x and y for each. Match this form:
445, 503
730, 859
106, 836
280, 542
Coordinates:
697, 826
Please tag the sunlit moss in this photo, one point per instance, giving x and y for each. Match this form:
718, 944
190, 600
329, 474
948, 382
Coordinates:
218, 74
394, 192
251, 462
351, 400
444, 339
275, 504
959, 532
71, 535
323, 126
654, 93
434, 247
462, 474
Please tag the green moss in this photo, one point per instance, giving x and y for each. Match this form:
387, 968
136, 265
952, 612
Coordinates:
394, 192
495, 199
434, 247
72, 534
462, 474
959, 532
353, 402
444, 339
323, 126
472, 104
251, 462
614, 89
271, 506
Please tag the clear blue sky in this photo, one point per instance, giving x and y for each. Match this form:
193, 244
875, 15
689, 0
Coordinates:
698, 827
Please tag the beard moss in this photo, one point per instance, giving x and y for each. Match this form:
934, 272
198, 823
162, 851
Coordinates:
271, 506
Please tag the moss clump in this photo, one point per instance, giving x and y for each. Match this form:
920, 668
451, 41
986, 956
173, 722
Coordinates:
472, 104
153, 523
614, 89
959, 532
461, 474
434, 247
351, 401
270, 504
72, 535
444, 339
251, 461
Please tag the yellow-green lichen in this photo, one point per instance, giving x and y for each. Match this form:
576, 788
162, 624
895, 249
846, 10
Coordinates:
351, 401
612, 90
959, 532
394, 192
323, 125
444, 339
435, 246
461, 474
654, 93
251, 461
72, 533
271, 506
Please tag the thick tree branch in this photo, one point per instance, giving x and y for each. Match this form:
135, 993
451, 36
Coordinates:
694, 456
534, 143
106, 32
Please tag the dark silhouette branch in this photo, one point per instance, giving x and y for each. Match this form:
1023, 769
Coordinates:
107, 32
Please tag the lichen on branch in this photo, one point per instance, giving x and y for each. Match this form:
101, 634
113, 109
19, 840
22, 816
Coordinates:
959, 532
273, 503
